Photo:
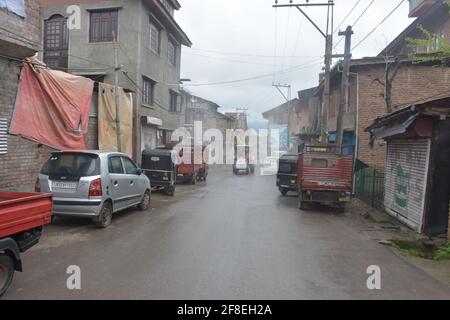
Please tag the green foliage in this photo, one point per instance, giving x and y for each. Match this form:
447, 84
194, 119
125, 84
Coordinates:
438, 48
443, 253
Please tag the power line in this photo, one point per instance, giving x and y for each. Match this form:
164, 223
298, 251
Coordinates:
348, 15
377, 26
247, 54
230, 60
299, 67
286, 38
356, 21
92, 61
363, 13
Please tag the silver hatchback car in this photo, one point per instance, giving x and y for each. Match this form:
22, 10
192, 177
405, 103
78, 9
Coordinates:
93, 184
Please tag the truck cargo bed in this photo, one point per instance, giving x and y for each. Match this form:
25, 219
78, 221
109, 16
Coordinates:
23, 211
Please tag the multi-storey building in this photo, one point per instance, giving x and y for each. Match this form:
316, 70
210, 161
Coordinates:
149, 43
20, 159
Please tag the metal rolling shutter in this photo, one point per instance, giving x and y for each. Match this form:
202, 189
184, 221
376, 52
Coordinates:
406, 180
3, 136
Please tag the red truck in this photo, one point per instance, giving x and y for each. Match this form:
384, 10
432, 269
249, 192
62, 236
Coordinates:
22, 216
190, 172
324, 176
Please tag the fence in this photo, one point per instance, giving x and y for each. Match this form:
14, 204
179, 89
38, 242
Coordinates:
369, 187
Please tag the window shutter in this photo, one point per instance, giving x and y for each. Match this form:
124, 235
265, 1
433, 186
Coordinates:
3, 136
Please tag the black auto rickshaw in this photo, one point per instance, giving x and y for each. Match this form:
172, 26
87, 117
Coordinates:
287, 174
159, 167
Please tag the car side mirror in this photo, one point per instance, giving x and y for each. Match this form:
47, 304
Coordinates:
139, 172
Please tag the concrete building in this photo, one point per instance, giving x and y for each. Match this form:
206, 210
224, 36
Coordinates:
300, 115
149, 53
20, 159
198, 109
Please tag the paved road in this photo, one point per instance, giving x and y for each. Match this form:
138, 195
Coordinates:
231, 238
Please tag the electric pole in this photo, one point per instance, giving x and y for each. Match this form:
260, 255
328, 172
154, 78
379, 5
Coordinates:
328, 36
288, 100
344, 101
116, 91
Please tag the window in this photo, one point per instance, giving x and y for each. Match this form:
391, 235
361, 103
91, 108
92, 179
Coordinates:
171, 53
130, 167
72, 166
3, 136
147, 92
56, 42
115, 165
154, 38
173, 102
319, 163
102, 25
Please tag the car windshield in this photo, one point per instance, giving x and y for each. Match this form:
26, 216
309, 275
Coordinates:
288, 168
71, 166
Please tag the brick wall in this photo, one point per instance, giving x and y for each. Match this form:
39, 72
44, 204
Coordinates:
19, 167
22, 31
412, 83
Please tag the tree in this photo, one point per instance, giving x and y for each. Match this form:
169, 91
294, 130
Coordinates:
437, 48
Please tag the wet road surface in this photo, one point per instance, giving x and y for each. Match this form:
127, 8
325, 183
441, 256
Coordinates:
233, 237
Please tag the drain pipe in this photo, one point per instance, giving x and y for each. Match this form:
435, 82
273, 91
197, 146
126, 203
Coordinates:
356, 151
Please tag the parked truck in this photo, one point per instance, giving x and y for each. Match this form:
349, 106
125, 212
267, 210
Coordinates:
324, 176
22, 216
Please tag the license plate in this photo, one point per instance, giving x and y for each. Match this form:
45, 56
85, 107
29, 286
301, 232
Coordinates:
165, 178
64, 185
181, 175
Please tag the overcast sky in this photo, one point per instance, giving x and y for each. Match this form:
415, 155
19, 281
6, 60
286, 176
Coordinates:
239, 39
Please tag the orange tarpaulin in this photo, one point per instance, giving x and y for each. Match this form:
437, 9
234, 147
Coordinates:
52, 107
107, 133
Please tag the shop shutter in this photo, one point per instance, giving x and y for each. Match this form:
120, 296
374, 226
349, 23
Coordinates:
3, 136
406, 180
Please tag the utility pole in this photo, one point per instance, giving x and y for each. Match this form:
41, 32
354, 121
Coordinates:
288, 100
328, 36
116, 91
344, 101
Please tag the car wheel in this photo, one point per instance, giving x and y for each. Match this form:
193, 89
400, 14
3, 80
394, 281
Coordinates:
283, 191
170, 191
105, 217
6, 273
301, 203
145, 202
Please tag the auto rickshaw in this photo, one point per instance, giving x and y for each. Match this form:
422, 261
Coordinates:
157, 164
287, 174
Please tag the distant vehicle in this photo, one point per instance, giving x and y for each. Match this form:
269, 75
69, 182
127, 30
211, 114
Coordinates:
287, 174
22, 216
93, 184
324, 176
159, 167
189, 172
269, 166
240, 165
243, 160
